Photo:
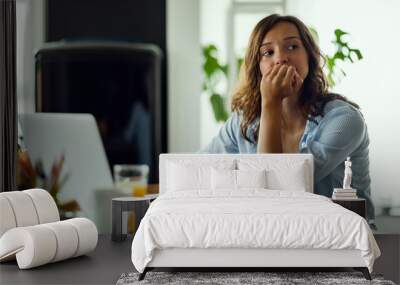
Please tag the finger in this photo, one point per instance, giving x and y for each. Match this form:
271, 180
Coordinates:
281, 73
299, 80
295, 79
290, 75
268, 72
274, 71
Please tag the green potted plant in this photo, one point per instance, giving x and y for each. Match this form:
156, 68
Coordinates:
216, 73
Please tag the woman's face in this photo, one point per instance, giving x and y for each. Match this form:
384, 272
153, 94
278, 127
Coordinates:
283, 45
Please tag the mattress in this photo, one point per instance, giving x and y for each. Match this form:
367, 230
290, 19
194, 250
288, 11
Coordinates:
250, 219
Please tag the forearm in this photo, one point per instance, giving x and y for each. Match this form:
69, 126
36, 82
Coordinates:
269, 135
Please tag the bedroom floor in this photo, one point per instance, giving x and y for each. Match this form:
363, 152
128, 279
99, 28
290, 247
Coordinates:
110, 260
103, 266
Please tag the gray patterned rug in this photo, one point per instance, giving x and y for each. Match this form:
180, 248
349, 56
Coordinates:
225, 278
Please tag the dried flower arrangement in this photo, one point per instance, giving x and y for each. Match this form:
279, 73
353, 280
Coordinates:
33, 176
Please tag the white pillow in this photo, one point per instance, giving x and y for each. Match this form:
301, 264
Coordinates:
281, 174
251, 178
188, 177
223, 179
293, 179
236, 179
193, 174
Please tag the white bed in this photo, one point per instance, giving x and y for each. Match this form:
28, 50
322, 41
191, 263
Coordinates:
218, 225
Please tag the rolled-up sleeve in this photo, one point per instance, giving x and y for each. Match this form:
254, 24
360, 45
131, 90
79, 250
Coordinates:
226, 140
339, 134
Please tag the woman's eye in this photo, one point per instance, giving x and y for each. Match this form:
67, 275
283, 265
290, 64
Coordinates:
293, 47
268, 53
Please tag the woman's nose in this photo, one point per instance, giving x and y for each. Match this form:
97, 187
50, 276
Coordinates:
282, 61
281, 58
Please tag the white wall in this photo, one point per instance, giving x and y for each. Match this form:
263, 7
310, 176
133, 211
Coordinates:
184, 75
373, 82
30, 36
213, 21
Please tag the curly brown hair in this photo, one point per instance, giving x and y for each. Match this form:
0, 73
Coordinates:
314, 94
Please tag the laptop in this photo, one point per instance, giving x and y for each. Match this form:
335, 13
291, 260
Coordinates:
47, 136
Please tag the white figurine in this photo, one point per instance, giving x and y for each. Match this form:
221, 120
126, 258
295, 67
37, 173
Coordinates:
347, 174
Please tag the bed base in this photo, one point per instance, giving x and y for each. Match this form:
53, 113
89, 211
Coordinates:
250, 259
364, 270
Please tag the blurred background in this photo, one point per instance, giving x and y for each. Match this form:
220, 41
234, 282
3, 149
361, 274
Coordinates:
148, 70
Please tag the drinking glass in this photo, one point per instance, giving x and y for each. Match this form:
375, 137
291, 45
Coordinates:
132, 178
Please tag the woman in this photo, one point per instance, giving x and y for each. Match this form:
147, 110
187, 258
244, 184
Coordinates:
282, 105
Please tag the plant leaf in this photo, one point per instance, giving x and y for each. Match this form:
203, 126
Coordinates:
224, 69
218, 106
339, 55
357, 52
70, 206
210, 66
343, 51
64, 179
339, 33
240, 61
314, 34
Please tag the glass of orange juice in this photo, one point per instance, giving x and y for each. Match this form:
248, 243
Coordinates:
132, 178
139, 190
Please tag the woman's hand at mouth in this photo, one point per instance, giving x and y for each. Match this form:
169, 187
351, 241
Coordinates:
280, 82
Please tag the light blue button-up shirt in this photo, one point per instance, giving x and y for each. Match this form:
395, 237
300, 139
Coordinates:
340, 133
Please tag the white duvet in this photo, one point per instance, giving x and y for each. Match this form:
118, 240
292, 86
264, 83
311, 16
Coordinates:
253, 218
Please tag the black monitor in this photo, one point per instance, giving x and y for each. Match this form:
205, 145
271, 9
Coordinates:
119, 83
